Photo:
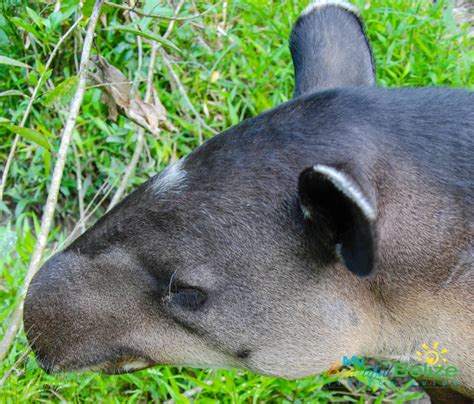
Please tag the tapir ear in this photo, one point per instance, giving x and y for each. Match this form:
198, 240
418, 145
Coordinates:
326, 192
329, 48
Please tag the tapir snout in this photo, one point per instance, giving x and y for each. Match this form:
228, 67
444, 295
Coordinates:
59, 314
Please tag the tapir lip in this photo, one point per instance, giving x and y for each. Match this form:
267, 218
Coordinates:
120, 365
112, 367
130, 365
125, 361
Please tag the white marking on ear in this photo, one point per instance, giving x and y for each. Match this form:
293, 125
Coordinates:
171, 177
322, 3
344, 184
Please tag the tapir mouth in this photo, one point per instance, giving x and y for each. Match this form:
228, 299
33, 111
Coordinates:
123, 365
111, 366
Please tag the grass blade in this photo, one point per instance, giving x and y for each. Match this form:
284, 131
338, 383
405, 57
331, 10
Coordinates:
147, 35
64, 89
29, 134
4, 60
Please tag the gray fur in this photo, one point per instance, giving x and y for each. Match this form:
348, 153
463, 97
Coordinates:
226, 270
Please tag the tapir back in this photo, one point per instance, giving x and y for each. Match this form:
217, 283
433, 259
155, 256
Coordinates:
430, 129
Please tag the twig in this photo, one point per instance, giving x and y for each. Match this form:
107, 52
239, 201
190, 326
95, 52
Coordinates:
88, 214
140, 56
51, 202
80, 195
59, 396
171, 24
141, 133
166, 17
114, 83
15, 366
181, 88
30, 105
130, 168
221, 27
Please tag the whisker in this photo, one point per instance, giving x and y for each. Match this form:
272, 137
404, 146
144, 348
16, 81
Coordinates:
171, 282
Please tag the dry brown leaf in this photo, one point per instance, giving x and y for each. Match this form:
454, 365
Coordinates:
157, 102
118, 84
138, 109
116, 94
135, 111
151, 114
111, 106
112, 82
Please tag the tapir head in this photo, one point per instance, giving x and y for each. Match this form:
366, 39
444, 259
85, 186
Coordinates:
247, 253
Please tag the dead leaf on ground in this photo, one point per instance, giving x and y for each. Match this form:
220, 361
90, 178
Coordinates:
119, 97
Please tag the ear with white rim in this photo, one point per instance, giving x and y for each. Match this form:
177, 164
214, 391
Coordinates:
330, 49
329, 193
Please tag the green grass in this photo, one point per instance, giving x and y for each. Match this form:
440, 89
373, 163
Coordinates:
415, 43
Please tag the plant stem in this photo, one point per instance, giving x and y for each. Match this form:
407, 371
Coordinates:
11, 154
144, 14
51, 202
182, 90
141, 133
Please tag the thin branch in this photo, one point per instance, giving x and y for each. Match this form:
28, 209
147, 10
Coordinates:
130, 168
15, 366
171, 24
181, 88
166, 17
140, 59
50, 207
80, 194
87, 215
114, 83
141, 133
221, 27
11, 155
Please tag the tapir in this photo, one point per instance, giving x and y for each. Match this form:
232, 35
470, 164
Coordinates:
336, 224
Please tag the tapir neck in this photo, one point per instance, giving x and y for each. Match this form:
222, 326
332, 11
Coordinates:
433, 325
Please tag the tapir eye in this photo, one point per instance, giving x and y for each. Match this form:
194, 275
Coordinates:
188, 298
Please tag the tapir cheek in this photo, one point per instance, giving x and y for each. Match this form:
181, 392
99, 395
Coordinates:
336, 314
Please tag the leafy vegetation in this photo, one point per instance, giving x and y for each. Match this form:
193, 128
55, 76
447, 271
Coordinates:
232, 62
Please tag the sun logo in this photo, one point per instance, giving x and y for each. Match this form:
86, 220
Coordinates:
431, 355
